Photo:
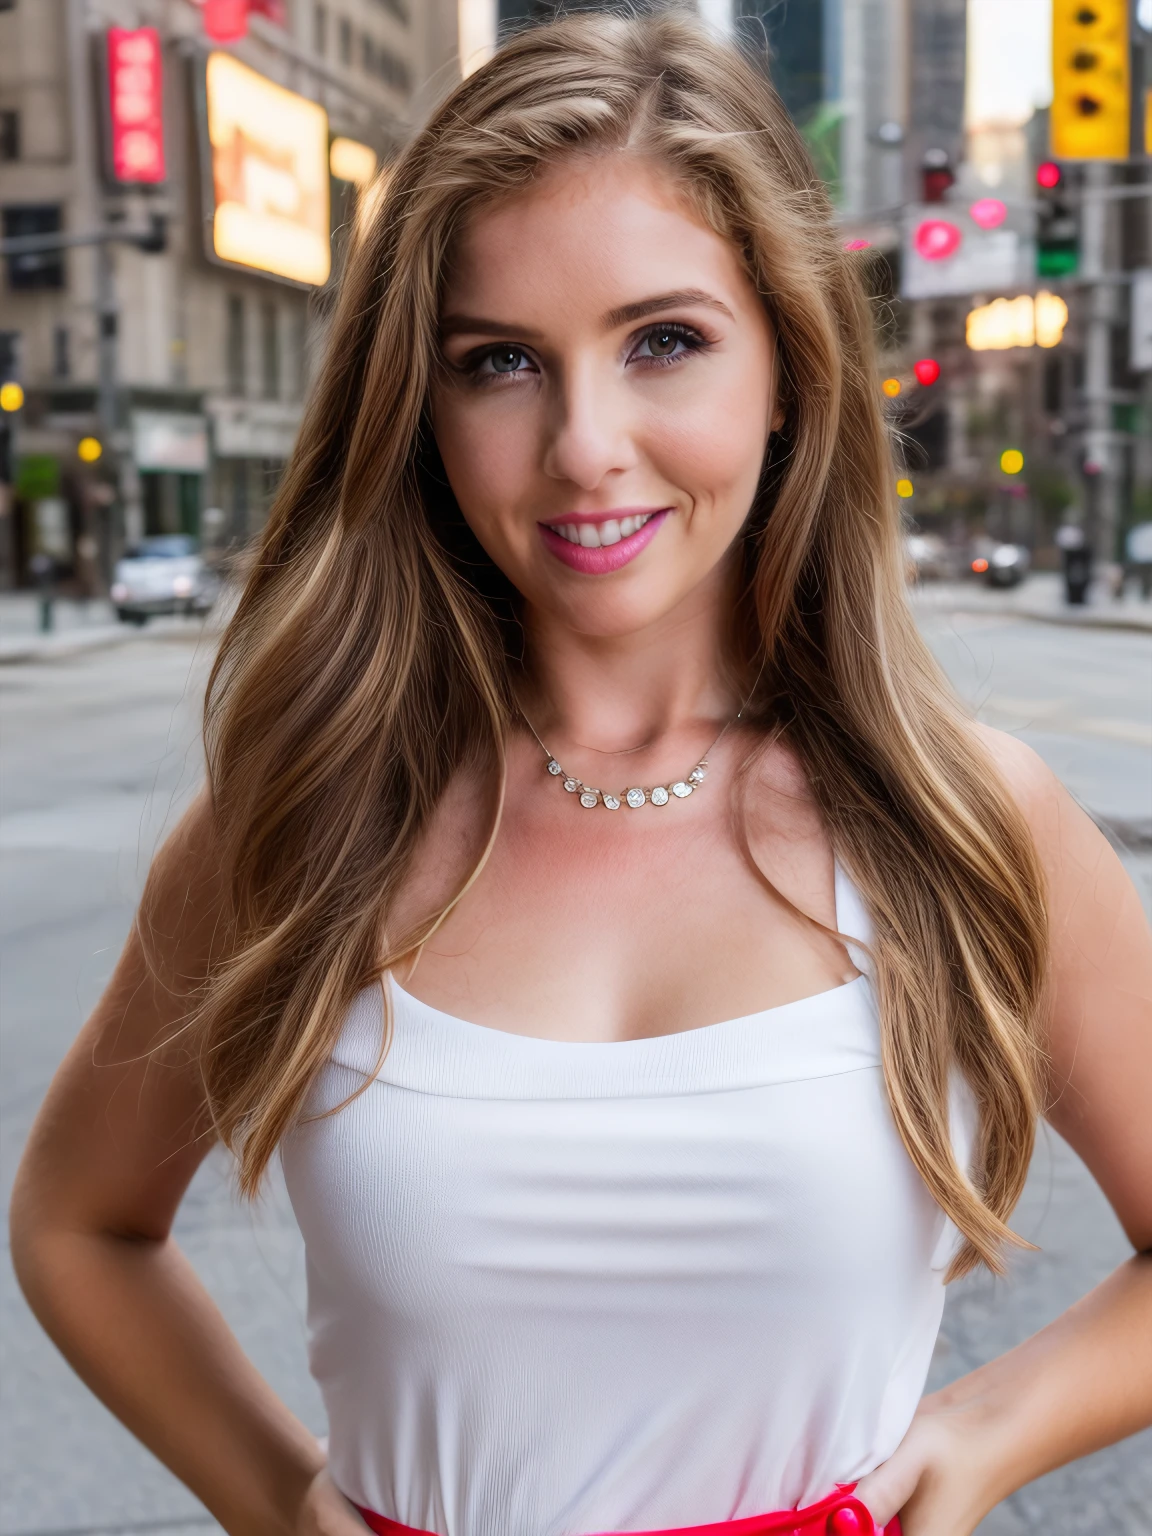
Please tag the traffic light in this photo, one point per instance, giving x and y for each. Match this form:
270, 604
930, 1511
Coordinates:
936, 175
1057, 229
1090, 84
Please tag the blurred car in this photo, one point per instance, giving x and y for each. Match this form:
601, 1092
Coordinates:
164, 574
1004, 565
925, 557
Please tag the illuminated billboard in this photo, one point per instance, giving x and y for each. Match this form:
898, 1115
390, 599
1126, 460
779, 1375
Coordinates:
266, 178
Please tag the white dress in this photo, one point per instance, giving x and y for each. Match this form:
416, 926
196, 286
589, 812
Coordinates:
562, 1288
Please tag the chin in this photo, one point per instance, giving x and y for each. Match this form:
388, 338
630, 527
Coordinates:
613, 612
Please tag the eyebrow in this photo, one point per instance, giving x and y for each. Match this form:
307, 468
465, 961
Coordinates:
678, 299
476, 325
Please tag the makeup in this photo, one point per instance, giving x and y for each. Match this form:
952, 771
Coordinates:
596, 543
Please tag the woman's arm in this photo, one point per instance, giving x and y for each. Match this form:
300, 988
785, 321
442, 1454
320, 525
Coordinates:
120, 1134
1086, 1380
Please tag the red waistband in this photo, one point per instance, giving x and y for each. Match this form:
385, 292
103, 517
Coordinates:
838, 1515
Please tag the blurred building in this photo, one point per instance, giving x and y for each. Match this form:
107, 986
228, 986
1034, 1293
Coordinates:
187, 367
163, 370
842, 69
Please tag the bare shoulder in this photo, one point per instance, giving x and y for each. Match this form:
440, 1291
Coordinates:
1068, 841
1098, 1023
1033, 785
1082, 872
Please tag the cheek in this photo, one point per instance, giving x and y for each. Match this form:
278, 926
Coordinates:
713, 447
487, 456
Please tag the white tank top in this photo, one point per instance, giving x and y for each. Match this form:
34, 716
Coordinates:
560, 1288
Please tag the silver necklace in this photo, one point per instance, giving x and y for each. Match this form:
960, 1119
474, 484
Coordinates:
638, 795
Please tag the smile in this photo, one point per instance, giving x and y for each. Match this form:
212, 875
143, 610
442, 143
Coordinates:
600, 535
595, 546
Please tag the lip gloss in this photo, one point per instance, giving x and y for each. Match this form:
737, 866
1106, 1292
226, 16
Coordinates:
611, 557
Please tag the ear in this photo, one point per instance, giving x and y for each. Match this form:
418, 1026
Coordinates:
777, 418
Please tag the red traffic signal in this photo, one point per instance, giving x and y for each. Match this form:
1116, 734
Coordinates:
927, 370
1048, 175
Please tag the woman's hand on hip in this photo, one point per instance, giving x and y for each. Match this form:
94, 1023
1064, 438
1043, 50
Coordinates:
941, 1479
326, 1512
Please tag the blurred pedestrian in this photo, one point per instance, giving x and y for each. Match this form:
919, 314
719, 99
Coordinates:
1138, 557
1076, 557
633, 1131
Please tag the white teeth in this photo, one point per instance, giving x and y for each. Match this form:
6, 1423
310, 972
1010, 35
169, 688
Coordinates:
600, 535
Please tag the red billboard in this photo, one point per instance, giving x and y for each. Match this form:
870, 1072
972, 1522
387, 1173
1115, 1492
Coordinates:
136, 104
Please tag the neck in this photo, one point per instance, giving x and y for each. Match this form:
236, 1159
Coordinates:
613, 694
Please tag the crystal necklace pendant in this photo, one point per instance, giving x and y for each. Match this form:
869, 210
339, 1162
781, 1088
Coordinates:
638, 795
634, 798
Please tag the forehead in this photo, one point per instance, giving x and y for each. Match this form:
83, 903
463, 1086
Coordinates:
596, 231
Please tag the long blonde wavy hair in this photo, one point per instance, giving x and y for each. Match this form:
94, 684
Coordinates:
370, 657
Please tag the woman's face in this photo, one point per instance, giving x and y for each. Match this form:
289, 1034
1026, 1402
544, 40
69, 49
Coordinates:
607, 394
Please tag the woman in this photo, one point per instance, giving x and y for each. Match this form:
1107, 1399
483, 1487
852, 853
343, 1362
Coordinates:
637, 1092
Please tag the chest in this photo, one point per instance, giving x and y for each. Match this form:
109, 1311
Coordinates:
597, 925
439, 1202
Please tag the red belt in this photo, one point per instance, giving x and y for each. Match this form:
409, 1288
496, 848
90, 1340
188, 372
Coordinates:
838, 1515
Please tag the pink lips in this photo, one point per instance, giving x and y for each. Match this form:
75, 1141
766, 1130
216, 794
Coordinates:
598, 562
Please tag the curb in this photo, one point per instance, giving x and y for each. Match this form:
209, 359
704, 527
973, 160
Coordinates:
16, 649
1132, 624
948, 599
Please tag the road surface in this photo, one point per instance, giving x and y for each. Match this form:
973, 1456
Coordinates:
99, 753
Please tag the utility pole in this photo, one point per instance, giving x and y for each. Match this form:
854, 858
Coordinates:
1100, 456
108, 326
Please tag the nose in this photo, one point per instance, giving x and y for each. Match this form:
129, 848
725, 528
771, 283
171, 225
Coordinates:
589, 431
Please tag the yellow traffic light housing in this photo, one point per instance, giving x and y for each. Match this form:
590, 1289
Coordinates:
1091, 103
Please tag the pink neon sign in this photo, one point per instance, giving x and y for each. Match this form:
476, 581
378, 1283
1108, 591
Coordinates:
136, 104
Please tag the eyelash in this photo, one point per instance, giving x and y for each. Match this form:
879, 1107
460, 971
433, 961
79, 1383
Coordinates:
691, 338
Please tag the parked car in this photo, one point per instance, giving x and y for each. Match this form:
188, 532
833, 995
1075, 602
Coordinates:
164, 574
1005, 565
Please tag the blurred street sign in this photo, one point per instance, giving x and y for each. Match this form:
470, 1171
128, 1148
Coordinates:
254, 429
947, 253
37, 475
170, 440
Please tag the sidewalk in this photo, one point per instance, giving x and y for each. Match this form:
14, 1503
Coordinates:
92, 625
1039, 597
76, 626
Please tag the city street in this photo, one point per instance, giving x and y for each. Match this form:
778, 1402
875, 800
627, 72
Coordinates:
99, 754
